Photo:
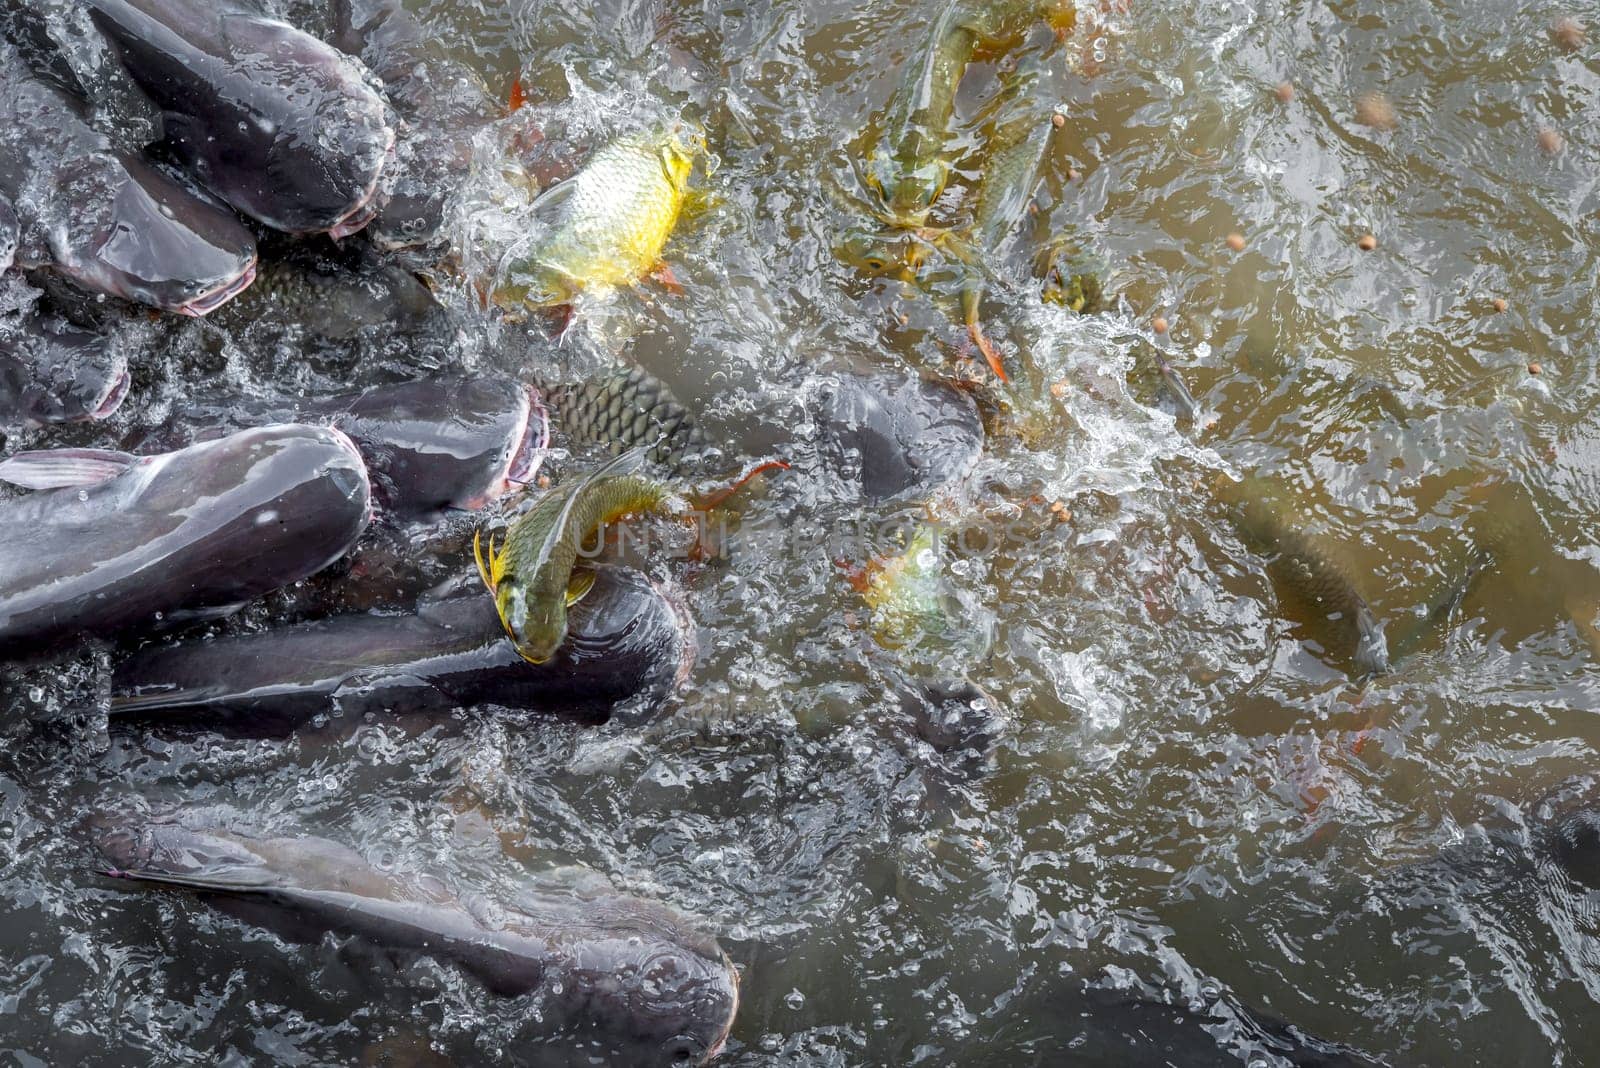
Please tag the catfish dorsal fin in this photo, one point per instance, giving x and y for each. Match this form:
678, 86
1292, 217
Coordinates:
58, 468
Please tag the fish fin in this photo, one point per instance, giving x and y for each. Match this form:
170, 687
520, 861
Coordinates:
710, 499
990, 353
231, 879
56, 468
578, 586
662, 274
493, 570
552, 200
517, 97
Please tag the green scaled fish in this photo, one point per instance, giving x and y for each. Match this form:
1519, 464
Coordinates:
1004, 193
910, 167
627, 409
533, 574
605, 226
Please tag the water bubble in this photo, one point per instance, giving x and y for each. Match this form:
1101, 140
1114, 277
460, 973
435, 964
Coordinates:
794, 999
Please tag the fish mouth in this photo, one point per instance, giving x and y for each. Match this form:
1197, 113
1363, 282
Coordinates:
526, 456
207, 303
733, 1014
688, 656
523, 464
115, 394
366, 209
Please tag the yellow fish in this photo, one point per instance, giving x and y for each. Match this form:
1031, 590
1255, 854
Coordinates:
606, 225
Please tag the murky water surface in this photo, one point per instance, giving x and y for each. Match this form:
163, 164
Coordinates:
1193, 804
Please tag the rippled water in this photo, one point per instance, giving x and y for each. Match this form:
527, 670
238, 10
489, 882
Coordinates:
1194, 806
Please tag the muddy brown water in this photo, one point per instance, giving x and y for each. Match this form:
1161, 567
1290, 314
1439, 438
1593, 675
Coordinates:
1194, 803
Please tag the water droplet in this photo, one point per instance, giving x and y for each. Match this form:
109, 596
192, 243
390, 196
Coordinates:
794, 999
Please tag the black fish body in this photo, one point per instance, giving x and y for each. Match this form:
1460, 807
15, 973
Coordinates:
627, 644
638, 980
105, 218
281, 126
54, 372
443, 103
339, 297
205, 528
429, 445
897, 435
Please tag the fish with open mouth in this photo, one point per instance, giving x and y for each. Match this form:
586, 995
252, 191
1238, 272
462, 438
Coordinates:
54, 372
443, 103
107, 219
286, 129
634, 981
433, 445
110, 540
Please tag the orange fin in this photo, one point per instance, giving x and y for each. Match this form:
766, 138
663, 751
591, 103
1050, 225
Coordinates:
712, 500
987, 348
517, 97
663, 276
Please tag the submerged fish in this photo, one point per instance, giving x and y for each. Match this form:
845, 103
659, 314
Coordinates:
606, 225
906, 593
532, 575
285, 128
114, 541
1011, 176
909, 168
629, 409
628, 648
881, 253
896, 435
53, 372
640, 983
1070, 278
342, 297
1315, 587
430, 445
106, 219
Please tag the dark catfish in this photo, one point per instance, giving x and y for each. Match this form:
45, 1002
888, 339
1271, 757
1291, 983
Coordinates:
54, 372
430, 445
287, 129
628, 647
112, 541
443, 104
896, 435
633, 980
107, 219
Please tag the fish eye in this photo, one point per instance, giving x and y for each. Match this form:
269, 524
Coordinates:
875, 264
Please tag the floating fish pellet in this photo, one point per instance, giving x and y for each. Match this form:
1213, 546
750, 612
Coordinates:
1374, 109
1569, 33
